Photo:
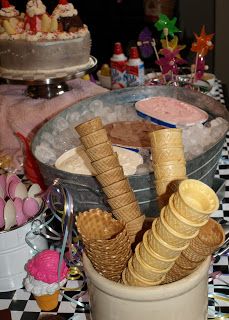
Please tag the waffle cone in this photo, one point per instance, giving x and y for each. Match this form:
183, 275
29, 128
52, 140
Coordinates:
161, 155
192, 255
195, 201
210, 238
177, 273
164, 186
152, 258
128, 212
96, 224
134, 279
112, 245
88, 127
106, 163
117, 188
100, 151
171, 169
94, 138
135, 225
121, 200
166, 137
178, 222
169, 235
161, 247
111, 176
185, 263
146, 271
47, 302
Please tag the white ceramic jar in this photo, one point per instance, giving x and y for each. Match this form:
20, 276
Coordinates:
186, 299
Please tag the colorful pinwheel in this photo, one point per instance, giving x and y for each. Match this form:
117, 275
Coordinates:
203, 43
164, 23
172, 45
170, 61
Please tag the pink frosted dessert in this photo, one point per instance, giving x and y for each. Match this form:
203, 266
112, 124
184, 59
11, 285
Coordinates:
166, 110
42, 278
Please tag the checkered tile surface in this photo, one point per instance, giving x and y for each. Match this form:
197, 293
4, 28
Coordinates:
24, 307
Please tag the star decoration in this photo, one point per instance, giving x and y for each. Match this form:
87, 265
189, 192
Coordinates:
163, 23
203, 42
170, 61
172, 45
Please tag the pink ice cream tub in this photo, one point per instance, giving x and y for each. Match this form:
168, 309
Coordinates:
170, 112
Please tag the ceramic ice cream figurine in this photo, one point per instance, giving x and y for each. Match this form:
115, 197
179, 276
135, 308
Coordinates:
35, 10
42, 278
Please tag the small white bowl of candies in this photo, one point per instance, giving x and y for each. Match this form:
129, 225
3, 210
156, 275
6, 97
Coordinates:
19, 203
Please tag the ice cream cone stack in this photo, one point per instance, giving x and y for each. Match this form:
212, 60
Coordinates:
210, 238
106, 242
161, 256
168, 162
110, 175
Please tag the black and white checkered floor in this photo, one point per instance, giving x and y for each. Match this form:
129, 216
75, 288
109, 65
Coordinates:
24, 307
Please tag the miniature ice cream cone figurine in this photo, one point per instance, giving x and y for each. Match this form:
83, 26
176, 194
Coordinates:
35, 10
8, 14
42, 278
67, 17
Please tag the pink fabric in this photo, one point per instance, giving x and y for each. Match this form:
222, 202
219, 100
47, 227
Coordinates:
24, 114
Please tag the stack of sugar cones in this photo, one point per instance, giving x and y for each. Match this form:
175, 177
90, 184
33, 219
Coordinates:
106, 242
110, 175
172, 234
168, 161
210, 238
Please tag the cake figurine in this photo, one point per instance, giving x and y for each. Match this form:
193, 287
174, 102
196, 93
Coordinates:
35, 10
8, 18
67, 17
42, 278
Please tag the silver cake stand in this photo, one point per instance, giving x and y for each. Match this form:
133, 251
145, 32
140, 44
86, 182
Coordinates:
48, 85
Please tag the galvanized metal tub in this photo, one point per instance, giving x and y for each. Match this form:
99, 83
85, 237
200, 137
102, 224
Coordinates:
85, 189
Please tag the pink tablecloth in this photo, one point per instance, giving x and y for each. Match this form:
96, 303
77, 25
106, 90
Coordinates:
26, 115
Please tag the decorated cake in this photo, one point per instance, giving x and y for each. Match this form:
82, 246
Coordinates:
36, 42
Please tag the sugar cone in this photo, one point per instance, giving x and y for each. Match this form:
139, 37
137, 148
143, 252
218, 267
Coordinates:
47, 302
94, 138
107, 163
89, 126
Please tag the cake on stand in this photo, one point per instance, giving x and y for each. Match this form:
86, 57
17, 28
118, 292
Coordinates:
48, 85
